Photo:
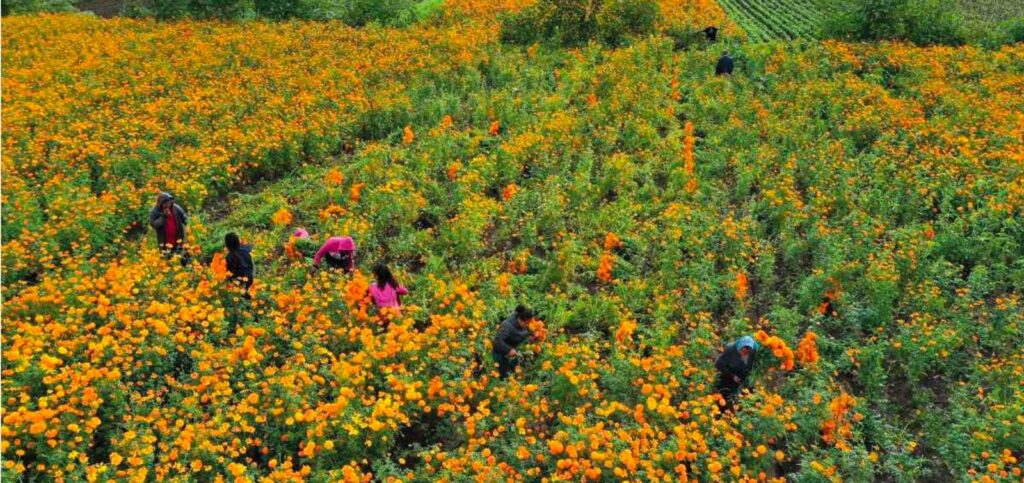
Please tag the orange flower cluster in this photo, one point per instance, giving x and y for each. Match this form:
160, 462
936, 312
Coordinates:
741, 286
208, 125
607, 261
807, 350
779, 349
281, 217
836, 430
132, 368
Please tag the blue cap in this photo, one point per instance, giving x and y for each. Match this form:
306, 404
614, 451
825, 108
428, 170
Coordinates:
746, 341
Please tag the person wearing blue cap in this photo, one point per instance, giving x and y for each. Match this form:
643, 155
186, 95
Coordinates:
734, 365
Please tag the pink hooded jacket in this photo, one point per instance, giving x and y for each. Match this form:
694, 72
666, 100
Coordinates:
336, 244
388, 296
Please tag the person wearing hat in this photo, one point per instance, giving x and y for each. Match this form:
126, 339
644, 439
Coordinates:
511, 334
168, 220
239, 262
339, 252
734, 365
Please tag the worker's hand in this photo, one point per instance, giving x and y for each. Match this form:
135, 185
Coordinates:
736, 379
513, 353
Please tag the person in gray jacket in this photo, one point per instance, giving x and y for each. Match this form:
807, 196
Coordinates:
512, 333
168, 220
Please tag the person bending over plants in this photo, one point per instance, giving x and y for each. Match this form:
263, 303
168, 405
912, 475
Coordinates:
724, 65
511, 334
386, 291
239, 262
734, 365
339, 252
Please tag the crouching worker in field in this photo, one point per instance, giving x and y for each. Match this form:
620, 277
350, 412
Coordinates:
168, 220
724, 65
239, 263
512, 333
339, 252
386, 291
734, 365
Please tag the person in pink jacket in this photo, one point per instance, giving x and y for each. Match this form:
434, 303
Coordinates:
386, 291
339, 252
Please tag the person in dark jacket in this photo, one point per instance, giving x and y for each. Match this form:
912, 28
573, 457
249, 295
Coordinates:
512, 333
724, 65
734, 365
239, 262
711, 33
168, 220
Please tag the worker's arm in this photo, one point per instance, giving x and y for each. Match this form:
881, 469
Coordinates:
723, 366
500, 346
156, 218
321, 252
233, 264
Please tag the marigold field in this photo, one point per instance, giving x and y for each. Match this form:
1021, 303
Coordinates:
858, 208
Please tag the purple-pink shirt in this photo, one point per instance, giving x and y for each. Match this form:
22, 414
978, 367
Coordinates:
335, 244
388, 296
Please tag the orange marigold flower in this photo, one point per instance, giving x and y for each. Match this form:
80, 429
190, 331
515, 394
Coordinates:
611, 241
625, 331
509, 191
807, 349
742, 285
605, 266
356, 192
281, 217
219, 266
453, 170
334, 178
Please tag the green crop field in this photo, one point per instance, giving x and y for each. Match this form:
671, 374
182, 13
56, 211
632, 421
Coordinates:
775, 19
993, 11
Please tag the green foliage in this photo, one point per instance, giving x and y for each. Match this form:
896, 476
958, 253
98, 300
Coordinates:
36, 6
203, 9
576, 22
617, 20
358, 13
923, 22
764, 20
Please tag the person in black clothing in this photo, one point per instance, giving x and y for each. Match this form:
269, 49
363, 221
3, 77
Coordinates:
512, 333
711, 33
724, 65
734, 365
239, 262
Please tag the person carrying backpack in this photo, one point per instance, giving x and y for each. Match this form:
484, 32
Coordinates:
511, 334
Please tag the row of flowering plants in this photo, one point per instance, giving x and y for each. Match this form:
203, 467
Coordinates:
854, 208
